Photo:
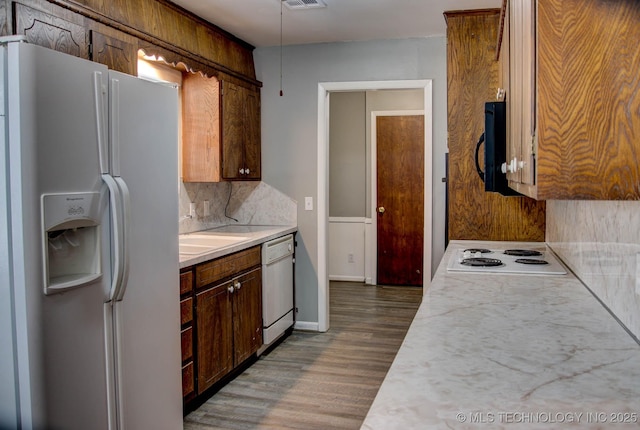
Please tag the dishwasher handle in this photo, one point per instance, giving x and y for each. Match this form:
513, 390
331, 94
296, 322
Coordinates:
277, 249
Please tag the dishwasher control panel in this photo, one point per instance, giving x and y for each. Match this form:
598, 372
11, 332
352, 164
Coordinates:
276, 249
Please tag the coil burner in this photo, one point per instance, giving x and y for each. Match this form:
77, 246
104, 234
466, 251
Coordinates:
534, 261
478, 250
481, 262
523, 252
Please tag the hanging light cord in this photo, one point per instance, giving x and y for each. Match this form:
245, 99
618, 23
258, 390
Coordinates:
281, 93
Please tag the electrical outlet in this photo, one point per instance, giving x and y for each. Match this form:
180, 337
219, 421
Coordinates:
206, 210
350, 258
192, 210
308, 203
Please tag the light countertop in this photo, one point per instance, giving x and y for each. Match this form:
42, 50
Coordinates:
510, 351
256, 234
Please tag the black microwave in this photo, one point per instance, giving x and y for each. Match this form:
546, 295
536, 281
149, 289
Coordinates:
495, 149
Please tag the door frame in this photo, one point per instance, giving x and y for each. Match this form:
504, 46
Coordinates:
324, 88
372, 248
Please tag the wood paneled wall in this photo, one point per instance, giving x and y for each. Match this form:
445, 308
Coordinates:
159, 27
472, 74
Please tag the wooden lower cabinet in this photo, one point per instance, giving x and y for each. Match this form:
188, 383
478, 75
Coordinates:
225, 296
229, 322
186, 334
247, 316
215, 335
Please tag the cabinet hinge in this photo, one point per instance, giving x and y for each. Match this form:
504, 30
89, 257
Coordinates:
91, 50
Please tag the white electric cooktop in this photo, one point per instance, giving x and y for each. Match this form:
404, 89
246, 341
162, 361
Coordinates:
532, 260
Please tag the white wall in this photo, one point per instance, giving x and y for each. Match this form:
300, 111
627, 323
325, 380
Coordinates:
289, 127
347, 249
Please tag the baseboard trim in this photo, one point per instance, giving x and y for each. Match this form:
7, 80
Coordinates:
346, 278
306, 325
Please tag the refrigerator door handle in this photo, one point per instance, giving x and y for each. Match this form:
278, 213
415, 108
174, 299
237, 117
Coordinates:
98, 99
115, 199
111, 373
126, 221
114, 135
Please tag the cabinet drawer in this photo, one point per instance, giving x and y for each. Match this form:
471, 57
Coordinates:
224, 267
188, 380
186, 343
186, 311
186, 282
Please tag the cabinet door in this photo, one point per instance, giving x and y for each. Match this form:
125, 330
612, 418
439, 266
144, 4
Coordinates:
514, 148
528, 91
50, 31
240, 132
200, 128
214, 335
520, 34
114, 53
247, 315
252, 157
232, 131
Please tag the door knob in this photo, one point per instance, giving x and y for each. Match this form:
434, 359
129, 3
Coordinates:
381, 209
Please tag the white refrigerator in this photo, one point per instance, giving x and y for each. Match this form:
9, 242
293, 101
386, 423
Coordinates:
89, 276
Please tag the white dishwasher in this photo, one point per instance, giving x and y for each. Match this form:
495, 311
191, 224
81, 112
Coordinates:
277, 288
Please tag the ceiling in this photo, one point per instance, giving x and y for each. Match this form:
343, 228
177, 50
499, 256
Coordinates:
258, 21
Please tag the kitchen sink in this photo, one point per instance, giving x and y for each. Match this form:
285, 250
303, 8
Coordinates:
194, 244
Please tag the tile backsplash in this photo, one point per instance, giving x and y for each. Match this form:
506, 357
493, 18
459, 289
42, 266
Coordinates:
234, 203
600, 242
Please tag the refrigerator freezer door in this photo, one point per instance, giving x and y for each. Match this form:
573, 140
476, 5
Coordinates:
59, 342
8, 391
145, 140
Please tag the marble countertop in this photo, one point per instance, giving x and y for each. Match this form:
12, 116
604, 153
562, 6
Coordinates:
506, 351
256, 234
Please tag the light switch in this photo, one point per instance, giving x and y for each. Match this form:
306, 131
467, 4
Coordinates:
308, 203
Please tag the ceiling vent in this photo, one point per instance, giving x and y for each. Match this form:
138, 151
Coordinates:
303, 4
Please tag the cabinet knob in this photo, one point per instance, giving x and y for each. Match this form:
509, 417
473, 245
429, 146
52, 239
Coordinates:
237, 285
247, 171
513, 166
230, 289
241, 171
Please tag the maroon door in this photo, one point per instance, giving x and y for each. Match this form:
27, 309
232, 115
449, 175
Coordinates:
400, 205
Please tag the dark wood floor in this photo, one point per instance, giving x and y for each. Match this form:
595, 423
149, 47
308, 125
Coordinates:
319, 380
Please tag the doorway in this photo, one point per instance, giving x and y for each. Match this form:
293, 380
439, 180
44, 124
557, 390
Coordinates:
324, 89
397, 141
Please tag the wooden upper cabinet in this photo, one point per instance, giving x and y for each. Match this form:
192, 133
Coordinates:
240, 132
50, 31
200, 128
115, 53
221, 131
580, 96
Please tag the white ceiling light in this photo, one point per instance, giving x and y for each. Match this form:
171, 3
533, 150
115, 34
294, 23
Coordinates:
304, 4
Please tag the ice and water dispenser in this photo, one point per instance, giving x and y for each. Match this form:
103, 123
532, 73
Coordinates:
71, 240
